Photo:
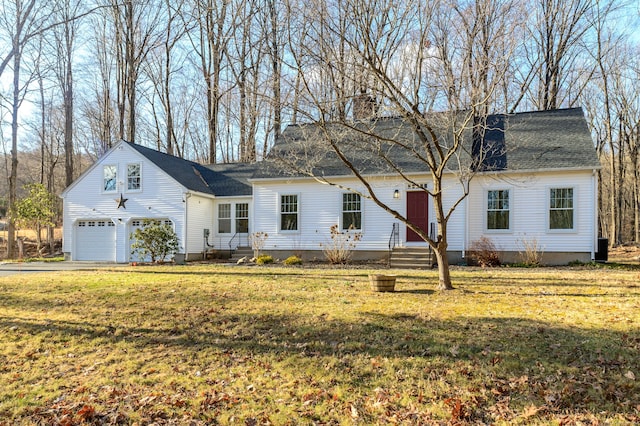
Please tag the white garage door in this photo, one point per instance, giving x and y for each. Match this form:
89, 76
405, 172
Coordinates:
95, 240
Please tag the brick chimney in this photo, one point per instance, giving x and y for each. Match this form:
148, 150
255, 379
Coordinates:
365, 107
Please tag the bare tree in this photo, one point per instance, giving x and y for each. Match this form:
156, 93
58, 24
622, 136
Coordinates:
409, 65
161, 70
22, 21
135, 30
65, 39
215, 24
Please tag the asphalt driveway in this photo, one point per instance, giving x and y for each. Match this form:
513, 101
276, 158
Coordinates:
12, 268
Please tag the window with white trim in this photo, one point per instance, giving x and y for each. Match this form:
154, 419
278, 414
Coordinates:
498, 209
351, 211
224, 218
242, 218
289, 212
561, 208
110, 178
133, 177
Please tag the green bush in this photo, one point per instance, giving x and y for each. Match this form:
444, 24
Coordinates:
154, 239
264, 259
293, 260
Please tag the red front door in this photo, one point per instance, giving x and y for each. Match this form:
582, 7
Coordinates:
417, 213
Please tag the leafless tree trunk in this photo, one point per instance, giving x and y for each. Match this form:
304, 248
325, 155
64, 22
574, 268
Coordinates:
216, 21
388, 45
23, 22
135, 26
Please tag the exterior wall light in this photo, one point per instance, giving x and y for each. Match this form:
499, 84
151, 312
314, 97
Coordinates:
396, 194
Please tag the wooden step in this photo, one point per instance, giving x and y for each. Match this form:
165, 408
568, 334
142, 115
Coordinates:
412, 258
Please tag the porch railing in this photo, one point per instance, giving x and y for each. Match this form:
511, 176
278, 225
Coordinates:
394, 239
237, 236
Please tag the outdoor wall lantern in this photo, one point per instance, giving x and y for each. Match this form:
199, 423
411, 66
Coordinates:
396, 194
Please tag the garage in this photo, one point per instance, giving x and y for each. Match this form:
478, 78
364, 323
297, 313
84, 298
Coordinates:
95, 240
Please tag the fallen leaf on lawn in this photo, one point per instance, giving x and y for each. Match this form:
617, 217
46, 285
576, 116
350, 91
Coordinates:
531, 411
354, 412
629, 375
86, 412
454, 350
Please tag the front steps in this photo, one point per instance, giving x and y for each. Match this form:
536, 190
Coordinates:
241, 252
412, 258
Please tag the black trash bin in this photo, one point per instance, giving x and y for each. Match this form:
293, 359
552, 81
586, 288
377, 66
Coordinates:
602, 255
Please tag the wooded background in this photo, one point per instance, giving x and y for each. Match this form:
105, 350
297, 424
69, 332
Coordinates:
218, 80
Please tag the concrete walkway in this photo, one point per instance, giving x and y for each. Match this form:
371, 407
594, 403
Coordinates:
12, 268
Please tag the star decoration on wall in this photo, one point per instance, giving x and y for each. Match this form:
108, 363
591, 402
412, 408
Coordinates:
121, 202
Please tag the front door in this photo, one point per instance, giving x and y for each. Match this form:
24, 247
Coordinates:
417, 213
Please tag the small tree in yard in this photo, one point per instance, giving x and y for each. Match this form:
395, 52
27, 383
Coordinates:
35, 211
154, 239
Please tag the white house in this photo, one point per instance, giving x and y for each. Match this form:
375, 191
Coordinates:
538, 184
130, 183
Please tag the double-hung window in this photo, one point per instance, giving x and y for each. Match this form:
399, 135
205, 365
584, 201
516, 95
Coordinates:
133, 177
498, 209
289, 212
561, 208
110, 178
351, 211
242, 218
224, 218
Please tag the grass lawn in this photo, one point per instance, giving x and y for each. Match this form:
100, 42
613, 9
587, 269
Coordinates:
202, 344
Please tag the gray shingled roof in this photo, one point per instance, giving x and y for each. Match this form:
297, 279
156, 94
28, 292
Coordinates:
217, 179
542, 140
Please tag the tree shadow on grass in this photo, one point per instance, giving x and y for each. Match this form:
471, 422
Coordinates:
570, 369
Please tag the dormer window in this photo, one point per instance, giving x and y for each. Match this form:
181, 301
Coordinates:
110, 178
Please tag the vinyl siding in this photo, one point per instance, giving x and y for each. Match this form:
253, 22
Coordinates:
159, 197
199, 218
529, 217
320, 207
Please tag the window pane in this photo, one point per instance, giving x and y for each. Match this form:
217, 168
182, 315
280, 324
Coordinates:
224, 218
561, 208
351, 211
498, 209
133, 176
351, 220
497, 220
289, 212
289, 222
110, 178
242, 218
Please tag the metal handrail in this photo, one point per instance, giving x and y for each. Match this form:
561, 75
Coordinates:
394, 239
433, 231
237, 234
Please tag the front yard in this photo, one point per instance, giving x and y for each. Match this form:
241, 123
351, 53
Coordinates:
240, 345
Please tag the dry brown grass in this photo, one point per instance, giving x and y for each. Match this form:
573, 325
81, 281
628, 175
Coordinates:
239, 345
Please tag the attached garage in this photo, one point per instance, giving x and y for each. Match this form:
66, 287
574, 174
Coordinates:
95, 240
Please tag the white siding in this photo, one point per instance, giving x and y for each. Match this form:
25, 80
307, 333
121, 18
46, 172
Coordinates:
159, 197
199, 218
529, 205
320, 207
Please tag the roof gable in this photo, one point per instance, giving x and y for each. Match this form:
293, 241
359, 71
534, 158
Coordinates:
217, 179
